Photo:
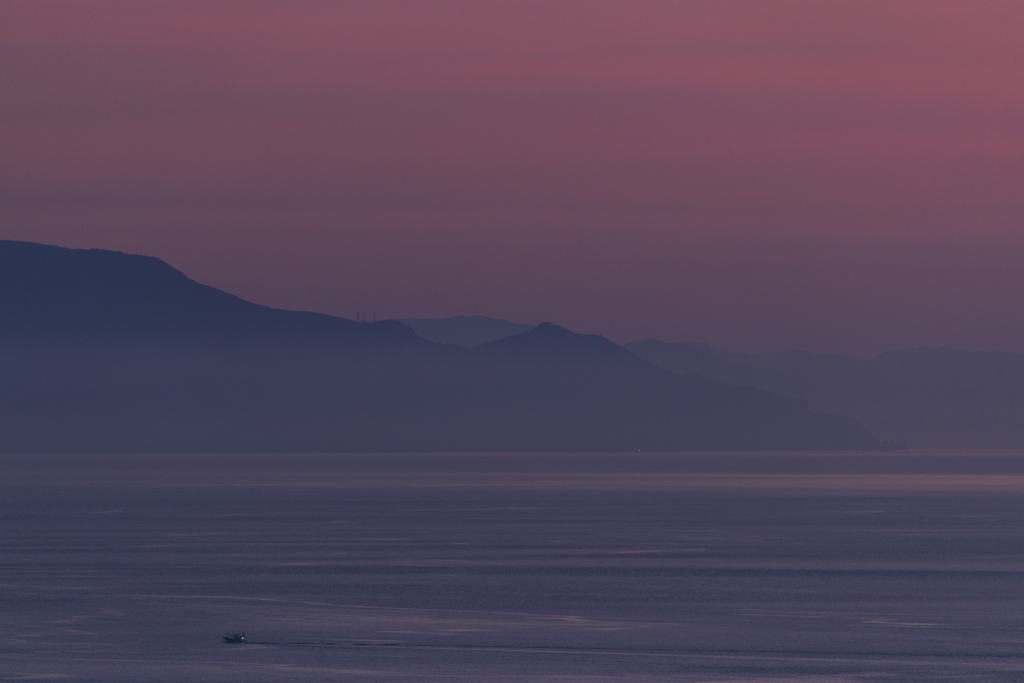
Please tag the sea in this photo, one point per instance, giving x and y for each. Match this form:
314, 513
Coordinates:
539, 567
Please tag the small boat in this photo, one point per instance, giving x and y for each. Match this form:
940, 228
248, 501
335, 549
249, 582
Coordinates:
235, 637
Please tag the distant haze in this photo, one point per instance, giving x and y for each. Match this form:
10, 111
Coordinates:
759, 175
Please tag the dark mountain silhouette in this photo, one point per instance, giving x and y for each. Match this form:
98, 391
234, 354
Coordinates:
925, 397
601, 392
52, 294
104, 351
468, 331
551, 341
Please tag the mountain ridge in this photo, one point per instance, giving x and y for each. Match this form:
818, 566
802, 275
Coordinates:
116, 374
469, 331
925, 397
52, 293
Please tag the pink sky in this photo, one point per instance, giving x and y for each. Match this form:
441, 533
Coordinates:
760, 175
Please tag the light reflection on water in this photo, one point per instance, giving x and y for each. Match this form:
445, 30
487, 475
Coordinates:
567, 567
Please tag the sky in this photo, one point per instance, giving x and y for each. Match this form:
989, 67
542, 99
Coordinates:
762, 175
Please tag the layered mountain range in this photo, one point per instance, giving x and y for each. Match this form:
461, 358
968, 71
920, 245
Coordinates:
104, 351
922, 397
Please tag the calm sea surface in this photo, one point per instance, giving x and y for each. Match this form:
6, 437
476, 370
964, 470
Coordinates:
481, 567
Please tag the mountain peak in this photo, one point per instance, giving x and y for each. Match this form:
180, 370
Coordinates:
551, 329
548, 339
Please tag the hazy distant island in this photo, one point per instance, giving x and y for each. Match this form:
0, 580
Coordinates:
105, 351
923, 397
